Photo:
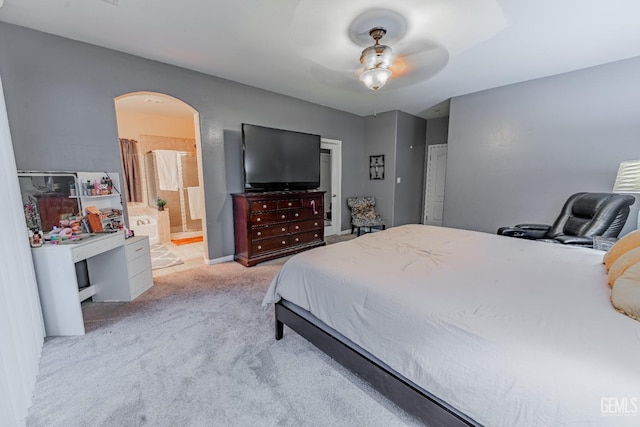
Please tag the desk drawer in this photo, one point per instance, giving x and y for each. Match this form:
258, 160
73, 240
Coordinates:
136, 248
138, 265
97, 245
140, 283
266, 245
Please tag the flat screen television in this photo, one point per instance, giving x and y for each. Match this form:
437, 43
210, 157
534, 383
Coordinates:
278, 160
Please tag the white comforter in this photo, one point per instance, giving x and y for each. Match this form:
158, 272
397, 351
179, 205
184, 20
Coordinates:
508, 331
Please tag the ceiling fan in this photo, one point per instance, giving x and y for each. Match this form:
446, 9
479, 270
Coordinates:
376, 60
412, 62
409, 58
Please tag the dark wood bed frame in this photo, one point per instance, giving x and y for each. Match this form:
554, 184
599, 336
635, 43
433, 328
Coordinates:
428, 409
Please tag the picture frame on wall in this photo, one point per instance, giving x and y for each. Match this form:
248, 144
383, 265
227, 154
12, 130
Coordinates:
376, 167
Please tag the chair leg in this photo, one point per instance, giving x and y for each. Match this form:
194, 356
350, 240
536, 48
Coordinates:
352, 228
358, 231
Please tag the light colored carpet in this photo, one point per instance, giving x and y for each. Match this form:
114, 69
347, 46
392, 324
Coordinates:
198, 350
162, 257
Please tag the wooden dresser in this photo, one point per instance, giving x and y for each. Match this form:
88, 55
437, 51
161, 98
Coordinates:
273, 225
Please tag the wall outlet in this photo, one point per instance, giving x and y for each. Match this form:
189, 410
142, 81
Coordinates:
398, 180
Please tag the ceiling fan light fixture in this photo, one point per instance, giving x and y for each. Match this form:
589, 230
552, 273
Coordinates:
377, 56
376, 61
375, 78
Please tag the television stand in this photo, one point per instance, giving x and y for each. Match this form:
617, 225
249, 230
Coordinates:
276, 224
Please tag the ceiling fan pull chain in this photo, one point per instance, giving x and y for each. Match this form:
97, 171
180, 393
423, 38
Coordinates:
375, 105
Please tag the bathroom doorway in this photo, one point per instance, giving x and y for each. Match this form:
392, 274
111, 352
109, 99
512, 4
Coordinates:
160, 148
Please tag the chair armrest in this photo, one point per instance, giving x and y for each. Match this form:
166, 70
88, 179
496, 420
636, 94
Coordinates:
575, 240
541, 227
523, 232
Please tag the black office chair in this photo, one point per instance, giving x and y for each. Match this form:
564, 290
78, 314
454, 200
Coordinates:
583, 216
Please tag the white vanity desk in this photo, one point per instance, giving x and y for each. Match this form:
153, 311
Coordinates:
107, 263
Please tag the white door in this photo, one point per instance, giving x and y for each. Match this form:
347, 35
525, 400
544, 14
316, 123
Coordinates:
436, 171
330, 181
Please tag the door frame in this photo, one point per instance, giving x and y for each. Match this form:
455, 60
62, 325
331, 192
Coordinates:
335, 146
428, 156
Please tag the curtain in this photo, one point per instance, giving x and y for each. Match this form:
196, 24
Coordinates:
131, 169
21, 325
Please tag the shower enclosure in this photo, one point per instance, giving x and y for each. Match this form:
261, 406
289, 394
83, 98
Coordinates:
173, 176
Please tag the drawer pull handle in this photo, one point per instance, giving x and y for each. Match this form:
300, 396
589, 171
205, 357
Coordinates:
259, 233
297, 227
283, 229
283, 216
315, 235
284, 242
258, 220
315, 223
138, 250
297, 240
296, 215
259, 247
264, 206
289, 203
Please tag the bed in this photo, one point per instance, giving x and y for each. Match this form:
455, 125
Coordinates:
467, 328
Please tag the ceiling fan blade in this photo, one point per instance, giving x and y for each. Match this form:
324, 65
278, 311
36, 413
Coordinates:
416, 47
347, 79
417, 67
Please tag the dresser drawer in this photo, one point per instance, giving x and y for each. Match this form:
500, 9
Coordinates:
289, 204
314, 203
300, 226
310, 236
264, 205
309, 214
269, 218
269, 231
271, 244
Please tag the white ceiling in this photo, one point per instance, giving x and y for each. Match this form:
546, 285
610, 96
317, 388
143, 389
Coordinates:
310, 49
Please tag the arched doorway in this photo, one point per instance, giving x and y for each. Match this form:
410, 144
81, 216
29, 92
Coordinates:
161, 155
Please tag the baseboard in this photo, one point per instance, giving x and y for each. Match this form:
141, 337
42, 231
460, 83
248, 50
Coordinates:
220, 260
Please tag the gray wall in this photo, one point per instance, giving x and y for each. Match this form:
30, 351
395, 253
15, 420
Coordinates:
60, 101
380, 138
401, 137
410, 149
438, 131
517, 152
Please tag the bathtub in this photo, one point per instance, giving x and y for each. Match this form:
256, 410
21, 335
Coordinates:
145, 226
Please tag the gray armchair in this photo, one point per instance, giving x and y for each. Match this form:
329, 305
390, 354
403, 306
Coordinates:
363, 214
584, 216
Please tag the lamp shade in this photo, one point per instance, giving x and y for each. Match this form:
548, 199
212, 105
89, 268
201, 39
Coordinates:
375, 78
628, 178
